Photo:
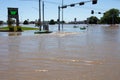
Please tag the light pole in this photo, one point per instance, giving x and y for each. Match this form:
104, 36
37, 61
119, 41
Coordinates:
40, 15
62, 15
43, 13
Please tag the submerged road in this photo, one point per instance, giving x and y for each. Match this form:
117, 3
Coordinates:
88, 55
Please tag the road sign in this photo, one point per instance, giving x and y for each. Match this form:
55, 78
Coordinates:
12, 11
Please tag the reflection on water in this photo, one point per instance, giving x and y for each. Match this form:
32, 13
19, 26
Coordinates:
85, 55
14, 33
54, 28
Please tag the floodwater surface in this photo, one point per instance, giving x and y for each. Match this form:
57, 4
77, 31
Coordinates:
93, 54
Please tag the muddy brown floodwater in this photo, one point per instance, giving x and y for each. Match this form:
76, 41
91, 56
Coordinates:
93, 54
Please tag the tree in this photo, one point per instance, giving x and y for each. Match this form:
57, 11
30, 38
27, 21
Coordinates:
52, 22
93, 20
26, 22
111, 17
1, 22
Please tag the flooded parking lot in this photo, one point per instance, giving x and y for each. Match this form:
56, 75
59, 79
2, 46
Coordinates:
92, 54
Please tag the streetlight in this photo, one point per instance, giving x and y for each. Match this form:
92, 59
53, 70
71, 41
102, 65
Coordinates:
39, 20
92, 11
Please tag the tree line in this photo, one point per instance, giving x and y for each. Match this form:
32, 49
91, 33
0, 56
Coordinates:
109, 17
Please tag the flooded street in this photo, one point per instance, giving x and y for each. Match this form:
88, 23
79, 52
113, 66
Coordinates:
92, 54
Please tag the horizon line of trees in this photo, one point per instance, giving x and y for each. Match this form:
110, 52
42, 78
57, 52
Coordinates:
109, 17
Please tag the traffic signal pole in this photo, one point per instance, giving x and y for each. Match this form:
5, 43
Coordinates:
58, 18
71, 5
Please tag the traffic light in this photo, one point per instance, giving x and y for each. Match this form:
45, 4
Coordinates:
94, 1
64, 6
99, 12
92, 11
81, 3
72, 5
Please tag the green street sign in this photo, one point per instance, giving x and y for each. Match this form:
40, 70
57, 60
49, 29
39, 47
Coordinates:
13, 12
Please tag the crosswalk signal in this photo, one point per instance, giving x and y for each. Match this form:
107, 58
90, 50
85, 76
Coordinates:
99, 13
92, 11
94, 1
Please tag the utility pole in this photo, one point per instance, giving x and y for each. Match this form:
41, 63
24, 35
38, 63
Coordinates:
40, 15
62, 15
43, 13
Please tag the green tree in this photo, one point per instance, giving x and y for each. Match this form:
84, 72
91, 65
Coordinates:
1, 22
93, 20
111, 17
26, 22
52, 22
